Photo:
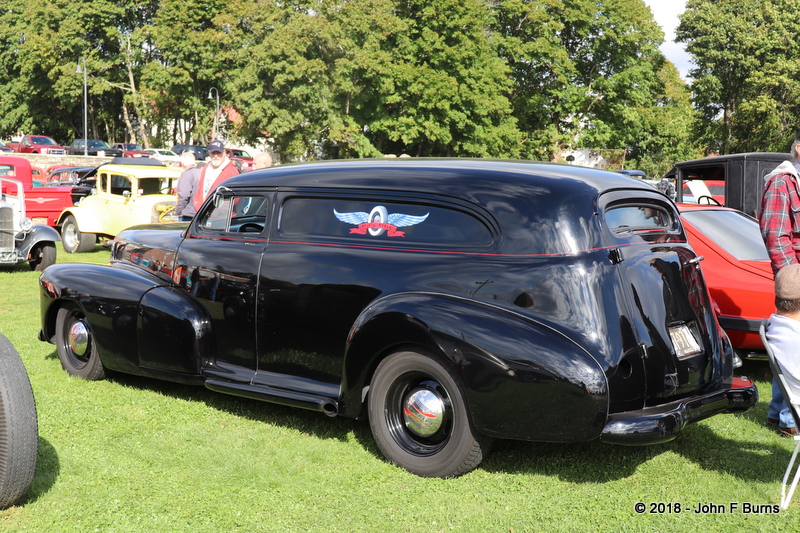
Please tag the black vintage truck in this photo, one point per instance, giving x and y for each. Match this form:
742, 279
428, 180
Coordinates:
734, 180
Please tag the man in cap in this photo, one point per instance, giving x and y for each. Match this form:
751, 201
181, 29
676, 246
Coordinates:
218, 169
783, 327
780, 228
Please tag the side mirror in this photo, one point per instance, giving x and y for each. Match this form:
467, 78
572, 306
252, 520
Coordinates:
218, 199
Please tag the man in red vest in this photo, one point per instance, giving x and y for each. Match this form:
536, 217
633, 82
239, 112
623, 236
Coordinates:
214, 173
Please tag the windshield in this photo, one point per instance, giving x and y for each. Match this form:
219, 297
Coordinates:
98, 144
43, 140
733, 231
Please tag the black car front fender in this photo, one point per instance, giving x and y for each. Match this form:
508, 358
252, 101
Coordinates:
133, 315
38, 233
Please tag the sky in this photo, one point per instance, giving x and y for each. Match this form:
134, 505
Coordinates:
666, 14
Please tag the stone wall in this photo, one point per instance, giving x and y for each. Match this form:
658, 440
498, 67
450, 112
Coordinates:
44, 161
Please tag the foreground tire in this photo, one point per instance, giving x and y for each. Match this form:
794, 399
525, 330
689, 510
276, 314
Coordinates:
419, 418
42, 256
19, 430
74, 241
75, 345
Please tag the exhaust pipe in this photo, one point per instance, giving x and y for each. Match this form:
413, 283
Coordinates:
330, 408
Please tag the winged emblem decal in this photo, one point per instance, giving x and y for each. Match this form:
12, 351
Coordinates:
379, 221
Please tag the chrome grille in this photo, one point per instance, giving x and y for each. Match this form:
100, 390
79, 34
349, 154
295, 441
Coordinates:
6, 228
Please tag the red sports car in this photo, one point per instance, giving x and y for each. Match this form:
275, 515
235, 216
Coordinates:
737, 270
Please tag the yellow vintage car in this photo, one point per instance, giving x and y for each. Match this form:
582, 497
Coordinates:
127, 192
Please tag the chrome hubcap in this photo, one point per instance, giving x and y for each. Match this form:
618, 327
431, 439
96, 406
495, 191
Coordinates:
423, 412
78, 338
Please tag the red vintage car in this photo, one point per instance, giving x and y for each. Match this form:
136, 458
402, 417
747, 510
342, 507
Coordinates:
237, 154
131, 149
737, 271
42, 204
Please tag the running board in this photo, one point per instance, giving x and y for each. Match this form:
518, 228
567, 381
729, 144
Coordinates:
321, 404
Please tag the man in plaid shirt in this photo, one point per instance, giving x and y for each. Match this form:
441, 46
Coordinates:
780, 228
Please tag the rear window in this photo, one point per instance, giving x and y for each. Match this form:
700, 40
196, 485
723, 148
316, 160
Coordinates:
733, 231
639, 217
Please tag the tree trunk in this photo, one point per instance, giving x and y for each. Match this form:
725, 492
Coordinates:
128, 126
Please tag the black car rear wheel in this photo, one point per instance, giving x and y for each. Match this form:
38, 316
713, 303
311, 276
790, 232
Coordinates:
75, 345
74, 240
419, 417
19, 429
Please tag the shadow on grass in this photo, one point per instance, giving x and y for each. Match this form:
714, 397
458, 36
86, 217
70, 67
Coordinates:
763, 460
47, 470
596, 462
307, 421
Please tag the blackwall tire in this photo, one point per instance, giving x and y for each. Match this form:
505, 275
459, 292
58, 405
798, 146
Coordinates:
42, 256
419, 418
75, 345
73, 239
19, 429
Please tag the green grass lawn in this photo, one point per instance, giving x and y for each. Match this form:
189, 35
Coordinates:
133, 454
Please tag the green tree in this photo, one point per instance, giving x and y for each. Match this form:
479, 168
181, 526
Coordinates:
360, 78
192, 52
40, 45
305, 71
583, 71
731, 41
449, 87
665, 128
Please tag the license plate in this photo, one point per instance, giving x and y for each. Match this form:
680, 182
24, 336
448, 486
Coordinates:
684, 342
39, 220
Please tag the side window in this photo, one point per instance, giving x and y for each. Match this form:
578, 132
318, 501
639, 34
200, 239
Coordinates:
239, 214
103, 183
120, 184
156, 186
382, 220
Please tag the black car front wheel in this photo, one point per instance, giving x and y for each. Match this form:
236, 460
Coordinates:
19, 428
75, 345
42, 256
419, 417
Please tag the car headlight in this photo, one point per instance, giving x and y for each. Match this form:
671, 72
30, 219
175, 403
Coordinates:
25, 224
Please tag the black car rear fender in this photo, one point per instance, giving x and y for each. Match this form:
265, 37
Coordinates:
558, 390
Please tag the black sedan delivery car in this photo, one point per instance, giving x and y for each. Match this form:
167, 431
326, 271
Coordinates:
451, 302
